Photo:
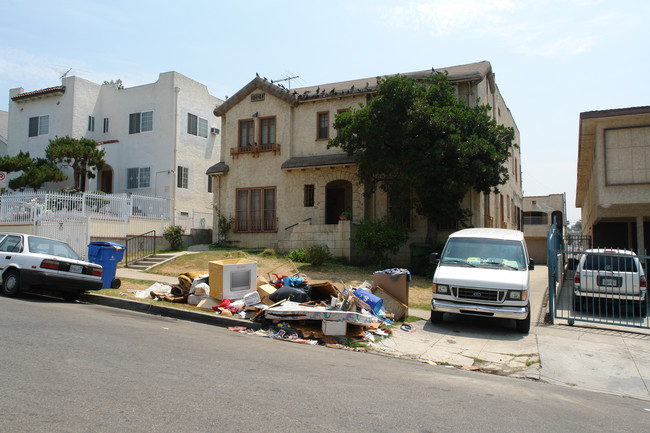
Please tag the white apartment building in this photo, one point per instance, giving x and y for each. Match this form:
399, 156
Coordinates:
159, 138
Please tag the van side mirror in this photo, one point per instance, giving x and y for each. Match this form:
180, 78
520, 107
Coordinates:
531, 264
434, 258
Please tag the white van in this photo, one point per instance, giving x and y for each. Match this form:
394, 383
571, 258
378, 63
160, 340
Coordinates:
483, 272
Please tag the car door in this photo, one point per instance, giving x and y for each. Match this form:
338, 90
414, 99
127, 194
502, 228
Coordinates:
10, 245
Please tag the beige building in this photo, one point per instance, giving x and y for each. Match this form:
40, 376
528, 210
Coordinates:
613, 186
539, 214
287, 190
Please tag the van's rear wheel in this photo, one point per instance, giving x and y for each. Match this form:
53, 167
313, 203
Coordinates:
436, 317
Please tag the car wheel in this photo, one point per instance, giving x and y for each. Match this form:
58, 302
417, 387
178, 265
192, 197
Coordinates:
436, 317
643, 307
577, 303
523, 326
11, 283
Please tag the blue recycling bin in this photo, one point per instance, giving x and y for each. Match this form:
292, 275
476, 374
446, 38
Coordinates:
108, 255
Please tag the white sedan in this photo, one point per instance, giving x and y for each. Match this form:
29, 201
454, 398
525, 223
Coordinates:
34, 263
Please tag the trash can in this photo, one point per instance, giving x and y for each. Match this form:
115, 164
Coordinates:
420, 258
108, 255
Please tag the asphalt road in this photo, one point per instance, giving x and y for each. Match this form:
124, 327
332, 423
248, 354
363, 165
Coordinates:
68, 367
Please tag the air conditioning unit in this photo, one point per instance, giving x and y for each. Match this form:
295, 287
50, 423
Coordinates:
214, 131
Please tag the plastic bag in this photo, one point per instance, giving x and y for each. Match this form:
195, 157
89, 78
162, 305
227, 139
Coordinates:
296, 294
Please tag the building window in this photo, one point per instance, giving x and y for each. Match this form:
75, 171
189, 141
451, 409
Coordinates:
140, 122
105, 125
255, 210
197, 125
183, 173
209, 184
323, 125
91, 123
246, 135
535, 218
267, 133
39, 125
309, 196
138, 177
399, 206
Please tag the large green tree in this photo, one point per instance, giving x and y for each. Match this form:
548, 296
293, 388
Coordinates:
81, 154
429, 147
34, 171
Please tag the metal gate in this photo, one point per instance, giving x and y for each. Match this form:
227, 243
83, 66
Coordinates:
607, 287
71, 229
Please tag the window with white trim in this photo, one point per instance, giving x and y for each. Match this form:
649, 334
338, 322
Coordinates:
39, 125
91, 123
183, 175
197, 125
138, 177
140, 122
105, 125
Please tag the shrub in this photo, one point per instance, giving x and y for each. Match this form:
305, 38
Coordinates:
297, 256
379, 237
174, 235
318, 254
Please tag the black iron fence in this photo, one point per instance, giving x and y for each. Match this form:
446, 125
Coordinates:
139, 247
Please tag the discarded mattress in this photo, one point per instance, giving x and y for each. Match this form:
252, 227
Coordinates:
294, 311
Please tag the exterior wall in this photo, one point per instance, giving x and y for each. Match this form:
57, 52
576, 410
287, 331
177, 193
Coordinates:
296, 133
614, 177
536, 234
161, 150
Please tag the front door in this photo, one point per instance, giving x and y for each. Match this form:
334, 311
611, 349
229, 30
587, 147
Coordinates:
107, 181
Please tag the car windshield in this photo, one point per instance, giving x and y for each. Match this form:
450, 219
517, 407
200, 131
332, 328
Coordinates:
609, 262
51, 246
484, 252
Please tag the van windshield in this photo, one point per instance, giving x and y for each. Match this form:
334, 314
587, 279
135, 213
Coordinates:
484, 252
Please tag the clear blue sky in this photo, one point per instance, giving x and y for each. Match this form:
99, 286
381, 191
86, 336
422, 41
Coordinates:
552, 58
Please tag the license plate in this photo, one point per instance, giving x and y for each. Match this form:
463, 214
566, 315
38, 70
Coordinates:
76, 269
608, 282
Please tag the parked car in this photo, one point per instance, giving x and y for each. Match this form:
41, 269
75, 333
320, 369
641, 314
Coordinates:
613, 275
483, 272
34, 263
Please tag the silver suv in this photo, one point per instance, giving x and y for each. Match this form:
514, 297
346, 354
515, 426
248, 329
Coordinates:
613, 275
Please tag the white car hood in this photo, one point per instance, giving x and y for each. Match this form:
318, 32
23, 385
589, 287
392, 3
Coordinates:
482, 277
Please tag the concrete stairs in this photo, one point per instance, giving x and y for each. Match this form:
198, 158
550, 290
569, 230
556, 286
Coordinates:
150, 261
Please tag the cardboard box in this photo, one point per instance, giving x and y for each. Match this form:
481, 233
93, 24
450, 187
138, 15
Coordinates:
266, 290
391, 304
398, 288
232, 278
334, 328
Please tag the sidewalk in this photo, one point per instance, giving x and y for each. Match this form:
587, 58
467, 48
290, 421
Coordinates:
599, 360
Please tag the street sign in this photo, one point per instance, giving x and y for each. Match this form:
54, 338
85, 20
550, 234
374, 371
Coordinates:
3, 179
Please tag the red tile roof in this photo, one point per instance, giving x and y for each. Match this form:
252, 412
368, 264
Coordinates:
39, 93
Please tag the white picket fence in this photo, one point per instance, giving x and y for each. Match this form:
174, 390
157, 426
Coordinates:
74, 218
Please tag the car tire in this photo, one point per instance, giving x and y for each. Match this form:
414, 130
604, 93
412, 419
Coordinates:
10, 283
577, 304
436, 317
643, 307
523, 325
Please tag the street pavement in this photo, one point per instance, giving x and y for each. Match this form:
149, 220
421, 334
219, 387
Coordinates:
601, 360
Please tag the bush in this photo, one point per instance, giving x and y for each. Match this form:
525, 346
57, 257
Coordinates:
379, 237
318, 254
297, 256
174, 235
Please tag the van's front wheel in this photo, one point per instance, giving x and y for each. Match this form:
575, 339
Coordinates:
436, 316
523, 325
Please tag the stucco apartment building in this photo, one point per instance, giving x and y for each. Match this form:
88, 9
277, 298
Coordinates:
159, 138
539, 213
4, 127
613, 185
286, 189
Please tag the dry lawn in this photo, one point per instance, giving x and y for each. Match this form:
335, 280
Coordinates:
419, 288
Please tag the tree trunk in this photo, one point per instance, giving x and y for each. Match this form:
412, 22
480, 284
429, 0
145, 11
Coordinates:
432, 231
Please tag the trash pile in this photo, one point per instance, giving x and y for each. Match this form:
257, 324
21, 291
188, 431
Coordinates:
294, 308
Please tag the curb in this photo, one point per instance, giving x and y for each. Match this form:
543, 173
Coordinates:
174, 313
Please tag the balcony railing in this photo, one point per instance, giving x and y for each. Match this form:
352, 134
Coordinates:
254, 150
